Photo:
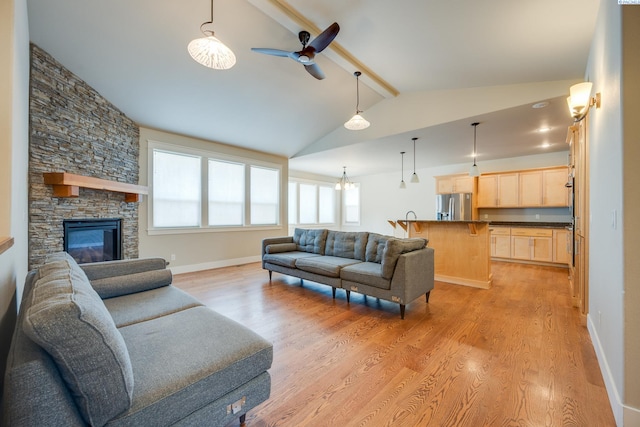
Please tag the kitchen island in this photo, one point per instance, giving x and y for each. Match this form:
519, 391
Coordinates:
462, 249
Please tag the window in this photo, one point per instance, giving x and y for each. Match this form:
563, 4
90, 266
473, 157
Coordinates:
265, 208
312, 203
308, 203
352, 206
226, 193
176, 190
204, 190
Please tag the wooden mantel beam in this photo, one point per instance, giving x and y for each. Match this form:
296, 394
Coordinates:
68, 185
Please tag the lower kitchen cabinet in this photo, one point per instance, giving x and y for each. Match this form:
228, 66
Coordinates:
532, 244
501, 242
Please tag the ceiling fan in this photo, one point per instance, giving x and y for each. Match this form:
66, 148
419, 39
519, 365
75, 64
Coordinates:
309, 51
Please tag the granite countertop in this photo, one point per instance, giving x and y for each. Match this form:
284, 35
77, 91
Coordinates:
444, 222
532, 224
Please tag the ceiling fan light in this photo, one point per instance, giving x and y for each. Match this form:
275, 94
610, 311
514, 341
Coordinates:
212, 53
357, 122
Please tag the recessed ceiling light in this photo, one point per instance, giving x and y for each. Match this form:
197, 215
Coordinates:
545, 145
544, 129
540, 104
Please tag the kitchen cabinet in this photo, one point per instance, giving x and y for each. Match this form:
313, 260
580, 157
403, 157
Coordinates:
532, 244
454, 184
530, 188
498, 190
501, 242
562, 246
554, 190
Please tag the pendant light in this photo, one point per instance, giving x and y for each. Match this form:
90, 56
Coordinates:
209, 51
357, 122
474, 171
344, 183
402, 184
414, 177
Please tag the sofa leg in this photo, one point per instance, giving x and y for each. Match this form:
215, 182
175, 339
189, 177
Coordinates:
428, 293
333, 291
243, 418
402, 311
348, 294
301, 282
270, 273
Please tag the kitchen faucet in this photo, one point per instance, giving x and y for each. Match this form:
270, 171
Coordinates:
406, 217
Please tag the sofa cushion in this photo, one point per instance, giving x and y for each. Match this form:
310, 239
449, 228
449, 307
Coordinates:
375, 247
67, 318
312, 241
135, 308
222, 356
131, 283
394, 248
287, 259
324, 265
346, 244
276, 248
368, 273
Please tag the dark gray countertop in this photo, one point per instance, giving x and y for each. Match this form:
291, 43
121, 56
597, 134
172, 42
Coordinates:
532, 224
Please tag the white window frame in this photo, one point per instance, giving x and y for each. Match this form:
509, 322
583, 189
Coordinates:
205, 155
344, 207
318, 184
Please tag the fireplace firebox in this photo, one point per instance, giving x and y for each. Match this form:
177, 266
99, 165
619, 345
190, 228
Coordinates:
93, 240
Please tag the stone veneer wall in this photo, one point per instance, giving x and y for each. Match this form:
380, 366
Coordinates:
74, 129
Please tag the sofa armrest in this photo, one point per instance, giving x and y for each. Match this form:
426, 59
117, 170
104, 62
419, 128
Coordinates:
414, 274
273, 241
115, 278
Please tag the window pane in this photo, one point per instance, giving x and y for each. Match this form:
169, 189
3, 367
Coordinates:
352, 205
327, 207
226, 193
265, 194
176, 190
308, 203
293, 203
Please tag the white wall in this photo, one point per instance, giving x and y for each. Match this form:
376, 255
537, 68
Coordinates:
14, 137
606, 315
204, 250
420, 198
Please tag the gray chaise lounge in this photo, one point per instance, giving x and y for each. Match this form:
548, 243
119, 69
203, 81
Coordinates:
115, 344
393, 269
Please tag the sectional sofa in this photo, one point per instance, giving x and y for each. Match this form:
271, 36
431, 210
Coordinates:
116, 344
393, 269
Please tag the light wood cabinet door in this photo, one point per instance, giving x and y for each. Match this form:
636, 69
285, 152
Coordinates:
562, 246
520, 247
463, 184
530, 188
542, 249
501, 242
444, 185
488, 191
554, 191
508, 190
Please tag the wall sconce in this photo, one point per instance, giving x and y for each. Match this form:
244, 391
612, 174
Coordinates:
580, 100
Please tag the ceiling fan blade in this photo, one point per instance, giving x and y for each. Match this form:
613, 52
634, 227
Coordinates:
274, 52
325, 38
315, 71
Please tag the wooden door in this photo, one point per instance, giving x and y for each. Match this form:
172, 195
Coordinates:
554, 191
520, 247
508, 189
542, 249
530, 188
487, 191
562, 246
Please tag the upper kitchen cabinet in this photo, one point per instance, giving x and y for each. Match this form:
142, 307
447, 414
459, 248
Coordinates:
498, 190
450, 184
524, 189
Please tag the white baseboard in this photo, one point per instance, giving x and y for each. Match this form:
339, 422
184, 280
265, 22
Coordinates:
631, 416
609, 383
213, 264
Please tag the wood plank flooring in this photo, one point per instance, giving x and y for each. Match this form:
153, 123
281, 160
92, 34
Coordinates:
514, 355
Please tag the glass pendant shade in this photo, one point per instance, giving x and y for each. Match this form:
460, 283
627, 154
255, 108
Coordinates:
344, 183
357, 122
212, 53
209, 51
414, 178
402, 183
474, 171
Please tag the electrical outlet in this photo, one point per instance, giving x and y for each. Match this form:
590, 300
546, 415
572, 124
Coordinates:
486, 216
173, 257
537, 216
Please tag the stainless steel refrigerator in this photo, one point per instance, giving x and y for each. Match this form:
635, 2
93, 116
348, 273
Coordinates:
453, 207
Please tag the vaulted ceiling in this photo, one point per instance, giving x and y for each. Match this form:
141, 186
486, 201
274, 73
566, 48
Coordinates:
430, 68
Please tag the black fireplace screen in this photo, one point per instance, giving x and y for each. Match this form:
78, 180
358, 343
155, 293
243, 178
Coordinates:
93, 240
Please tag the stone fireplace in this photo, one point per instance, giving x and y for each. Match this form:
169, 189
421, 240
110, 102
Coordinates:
93, 240
74, 129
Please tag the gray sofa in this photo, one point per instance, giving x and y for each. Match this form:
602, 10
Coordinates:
393, 269
116, 344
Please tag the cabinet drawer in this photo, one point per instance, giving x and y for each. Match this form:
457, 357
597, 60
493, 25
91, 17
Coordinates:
500, 231
532, 232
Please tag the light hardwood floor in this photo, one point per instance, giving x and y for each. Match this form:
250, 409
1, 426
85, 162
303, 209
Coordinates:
514, 355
